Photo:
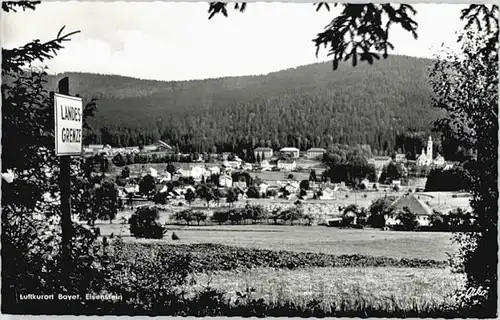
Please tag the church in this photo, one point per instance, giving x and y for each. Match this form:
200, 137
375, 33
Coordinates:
427, 159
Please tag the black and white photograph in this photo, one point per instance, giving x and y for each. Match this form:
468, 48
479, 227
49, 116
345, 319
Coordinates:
260, 159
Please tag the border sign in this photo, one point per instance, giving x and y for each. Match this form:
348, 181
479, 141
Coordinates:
68, 113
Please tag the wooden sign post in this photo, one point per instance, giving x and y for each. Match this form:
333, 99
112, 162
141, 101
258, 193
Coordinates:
68, 112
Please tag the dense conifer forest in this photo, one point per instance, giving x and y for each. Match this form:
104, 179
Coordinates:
309, 106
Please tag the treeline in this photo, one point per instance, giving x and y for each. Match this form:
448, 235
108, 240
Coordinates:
348, 165
458, 178
306, 107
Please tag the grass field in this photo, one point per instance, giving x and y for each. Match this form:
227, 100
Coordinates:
406, 287
424, 245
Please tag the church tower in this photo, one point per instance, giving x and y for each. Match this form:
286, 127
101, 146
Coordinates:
430, 156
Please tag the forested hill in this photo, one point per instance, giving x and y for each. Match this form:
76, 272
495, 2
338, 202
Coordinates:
308, 106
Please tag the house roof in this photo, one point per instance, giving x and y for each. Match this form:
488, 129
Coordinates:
263, 149
95, 146
289, 149
164, 144
382, 158
316, 150
413, 203
286, 161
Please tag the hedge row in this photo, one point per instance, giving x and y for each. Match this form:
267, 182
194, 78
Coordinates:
213, 257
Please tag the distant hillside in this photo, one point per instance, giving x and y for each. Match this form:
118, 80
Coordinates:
308, 106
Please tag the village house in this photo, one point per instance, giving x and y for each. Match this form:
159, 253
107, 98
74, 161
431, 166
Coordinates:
293, 152
273, 189
165, 177
231, 164
366, 183
315, 153
439, 161
153, 172
131, 189
213, 170
287, 165
263, 188
265, 166
247, 166
122, 194
415, 205
196, 172
396, 184
105, 150
263, 153
241, 185
327, 193
225, 181
225, 155
400, 158
134, 149
159, 146
88, 152
95, 147
379, 162
309, 194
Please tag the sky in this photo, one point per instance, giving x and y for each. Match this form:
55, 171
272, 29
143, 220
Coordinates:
177, 41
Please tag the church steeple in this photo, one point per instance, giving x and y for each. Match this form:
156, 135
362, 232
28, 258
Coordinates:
429, 149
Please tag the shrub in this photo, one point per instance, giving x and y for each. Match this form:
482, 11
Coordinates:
144, 224
408, 219
220, 216
160, 198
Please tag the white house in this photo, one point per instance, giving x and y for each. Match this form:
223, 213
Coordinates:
292, 188
366, 183
263, 153
225, 181
153, 172
396, 183
315, 153
265, 166
379, 162
327, 194
196, 172
247, 166
400, 158
415, 205
287, 165
263, 188
439, 161
293, 152
232, 164
242, 185
213, 170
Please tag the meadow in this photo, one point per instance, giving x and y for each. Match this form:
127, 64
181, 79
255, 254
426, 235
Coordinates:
386, 287
319, 239
310, 270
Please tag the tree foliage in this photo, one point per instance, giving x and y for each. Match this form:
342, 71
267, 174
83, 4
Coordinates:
31, 240
144, 223
147, 185
408, 220
466, 87
373, 105
105, 202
